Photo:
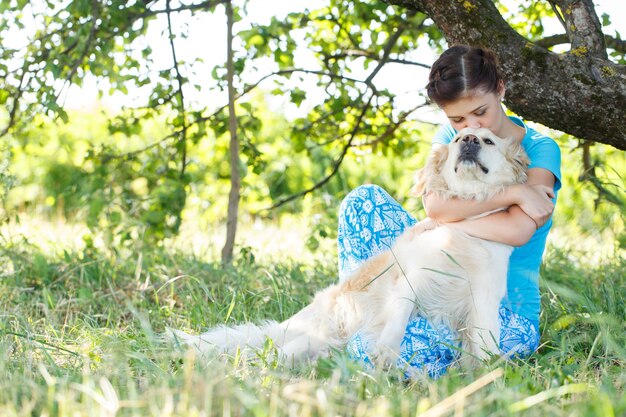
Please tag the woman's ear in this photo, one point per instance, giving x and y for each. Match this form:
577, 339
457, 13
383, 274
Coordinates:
501, 90
430, 172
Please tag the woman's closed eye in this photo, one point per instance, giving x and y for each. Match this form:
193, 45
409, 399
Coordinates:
477, 113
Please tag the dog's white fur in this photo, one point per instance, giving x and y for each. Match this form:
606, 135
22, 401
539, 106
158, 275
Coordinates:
450, 277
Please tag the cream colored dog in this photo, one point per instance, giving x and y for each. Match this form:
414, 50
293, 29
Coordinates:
446, 275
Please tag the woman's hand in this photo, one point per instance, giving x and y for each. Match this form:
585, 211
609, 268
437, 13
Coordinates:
536, 201
514, 226
422, 226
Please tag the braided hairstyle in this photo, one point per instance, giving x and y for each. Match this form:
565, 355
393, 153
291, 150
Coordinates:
462, 70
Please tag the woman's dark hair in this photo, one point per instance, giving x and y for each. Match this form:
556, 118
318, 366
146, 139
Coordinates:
460, 70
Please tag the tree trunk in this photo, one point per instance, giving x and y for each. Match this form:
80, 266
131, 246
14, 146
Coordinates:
579, 92
235, 180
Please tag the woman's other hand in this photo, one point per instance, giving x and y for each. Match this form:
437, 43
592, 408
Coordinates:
536, 201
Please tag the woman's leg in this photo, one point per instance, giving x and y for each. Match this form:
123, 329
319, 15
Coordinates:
427, 348
424, 348
370, 220
519, 336
435, 349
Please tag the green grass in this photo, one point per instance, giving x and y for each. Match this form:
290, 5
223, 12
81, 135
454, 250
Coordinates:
80, 336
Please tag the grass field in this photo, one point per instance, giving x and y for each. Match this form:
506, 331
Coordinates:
80, 336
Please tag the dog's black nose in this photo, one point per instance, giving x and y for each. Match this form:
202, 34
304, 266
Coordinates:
470, 139
470, 146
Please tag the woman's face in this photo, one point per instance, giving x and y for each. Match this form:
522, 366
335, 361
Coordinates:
477, 110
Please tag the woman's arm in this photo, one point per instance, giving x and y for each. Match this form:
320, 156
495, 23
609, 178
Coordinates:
511, 227
455, 209
514, 226
534, 197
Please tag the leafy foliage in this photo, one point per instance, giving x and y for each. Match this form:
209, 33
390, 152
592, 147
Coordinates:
135, 178
593, 198
126, 187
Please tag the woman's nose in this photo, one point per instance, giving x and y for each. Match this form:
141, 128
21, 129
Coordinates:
473, 123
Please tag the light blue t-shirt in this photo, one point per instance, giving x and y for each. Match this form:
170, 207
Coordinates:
523, 277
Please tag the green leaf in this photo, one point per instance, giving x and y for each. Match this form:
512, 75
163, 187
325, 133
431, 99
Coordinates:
298, 96
256, 40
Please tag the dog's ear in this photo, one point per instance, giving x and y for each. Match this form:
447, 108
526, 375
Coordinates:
519, 160
431, 172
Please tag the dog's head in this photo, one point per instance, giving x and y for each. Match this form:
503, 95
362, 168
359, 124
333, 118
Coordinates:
476, 164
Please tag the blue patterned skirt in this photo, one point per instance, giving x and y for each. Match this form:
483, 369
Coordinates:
370, 220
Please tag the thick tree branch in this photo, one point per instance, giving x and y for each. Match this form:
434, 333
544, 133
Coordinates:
575, 92
583, 26
618, 45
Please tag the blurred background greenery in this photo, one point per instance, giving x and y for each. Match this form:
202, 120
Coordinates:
82, 173
113, 122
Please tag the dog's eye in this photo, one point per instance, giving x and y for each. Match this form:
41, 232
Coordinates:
489, 142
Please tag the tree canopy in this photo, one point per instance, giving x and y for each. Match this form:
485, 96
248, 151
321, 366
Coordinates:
345, 107
578, 91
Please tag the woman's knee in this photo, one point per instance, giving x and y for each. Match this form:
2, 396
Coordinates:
365, 191
360, 194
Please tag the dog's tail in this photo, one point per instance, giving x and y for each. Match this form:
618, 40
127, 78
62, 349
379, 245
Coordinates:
227, 339
302, 334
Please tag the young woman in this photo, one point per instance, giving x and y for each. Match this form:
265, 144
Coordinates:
466, 84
